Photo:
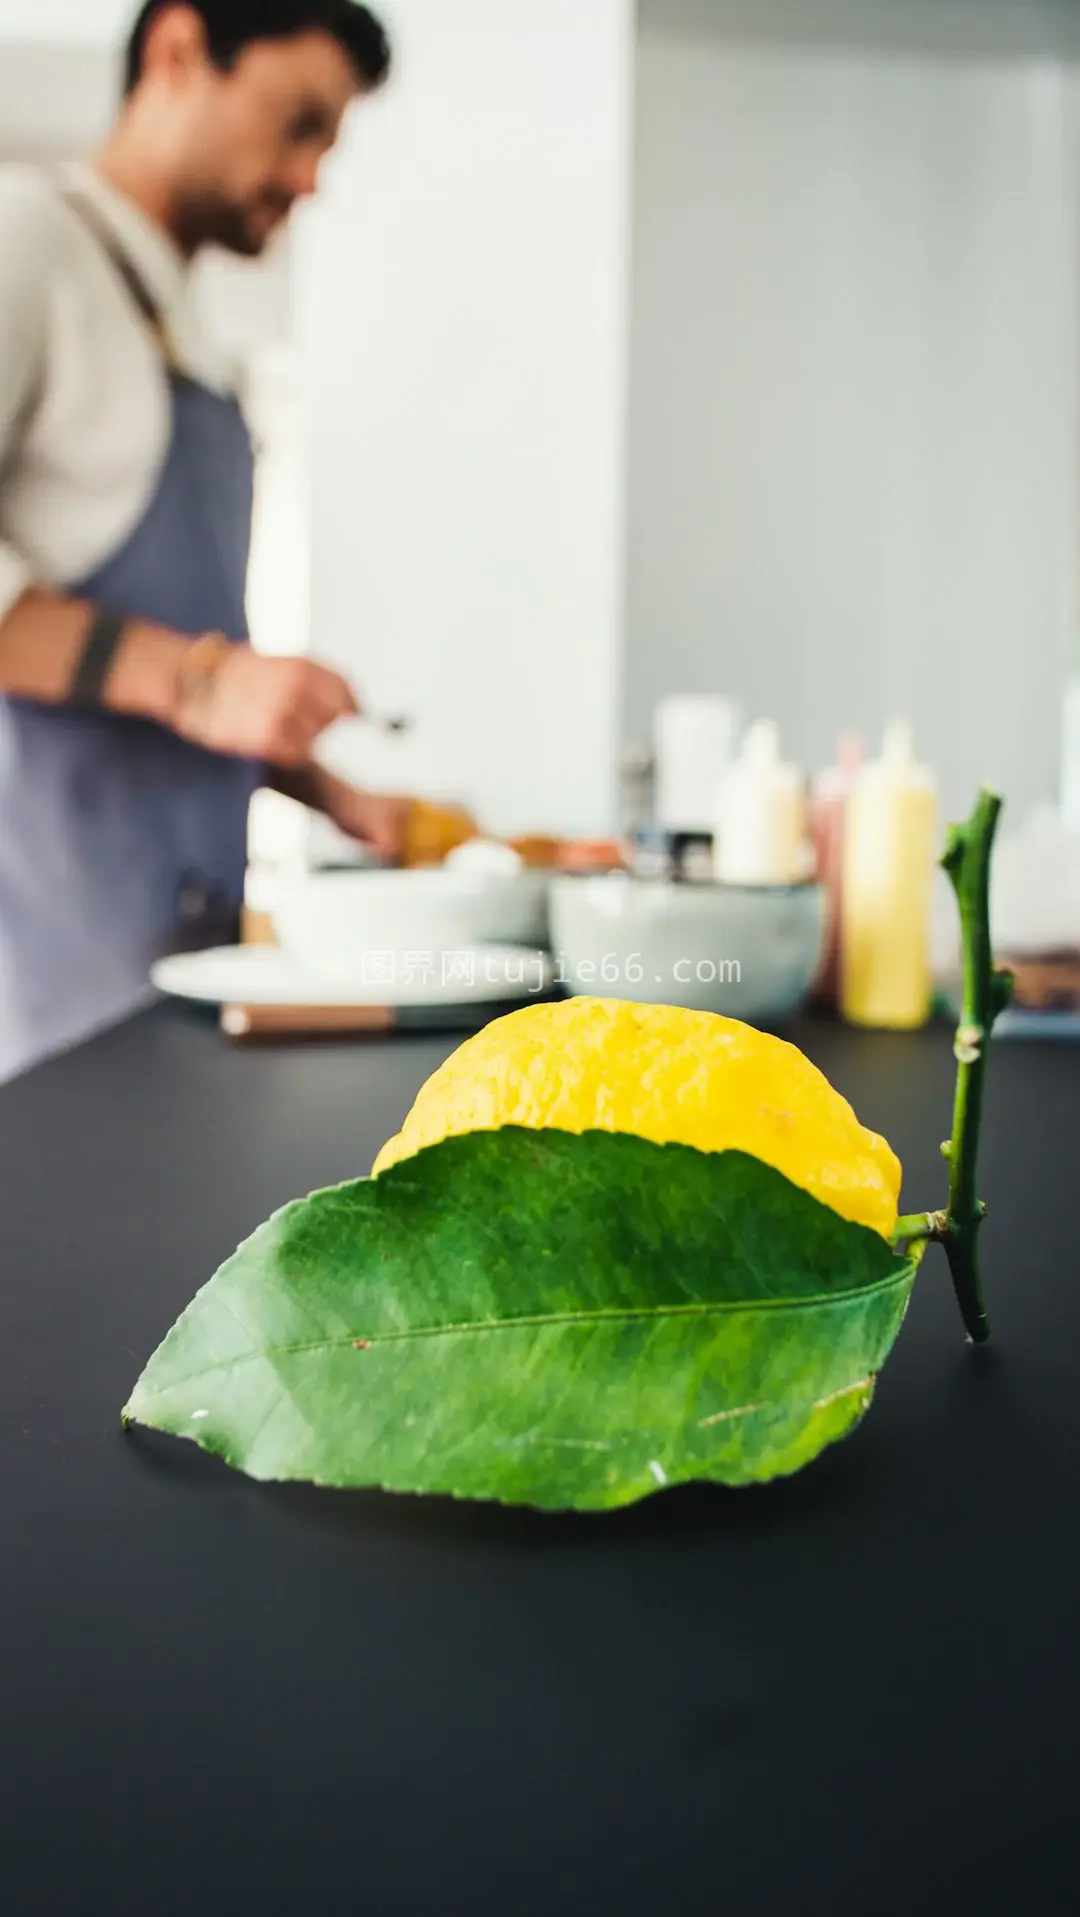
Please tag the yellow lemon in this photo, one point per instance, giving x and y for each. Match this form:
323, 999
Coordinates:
672, 1076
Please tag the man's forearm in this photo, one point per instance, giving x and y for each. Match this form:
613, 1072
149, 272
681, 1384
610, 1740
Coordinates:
309, 785
41, 643
226, 698
378, 820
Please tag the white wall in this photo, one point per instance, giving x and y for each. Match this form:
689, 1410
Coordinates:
54, 100
66, 22
854, 469
464, 310
963, 27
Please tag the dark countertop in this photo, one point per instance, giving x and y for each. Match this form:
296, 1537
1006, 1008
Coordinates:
854, 1692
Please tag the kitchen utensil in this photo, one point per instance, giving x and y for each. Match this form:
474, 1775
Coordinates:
253, 976
748, 951
241, 1022
333, 923
258, 1024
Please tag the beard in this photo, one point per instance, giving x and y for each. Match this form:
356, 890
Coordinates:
241, 227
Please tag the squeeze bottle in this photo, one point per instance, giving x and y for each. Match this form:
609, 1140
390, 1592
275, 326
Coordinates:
828, 820
890, 843
761, 836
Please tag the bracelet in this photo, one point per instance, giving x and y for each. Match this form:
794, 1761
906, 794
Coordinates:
203, 660
104, 636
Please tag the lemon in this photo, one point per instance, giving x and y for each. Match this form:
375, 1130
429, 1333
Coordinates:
672, 1076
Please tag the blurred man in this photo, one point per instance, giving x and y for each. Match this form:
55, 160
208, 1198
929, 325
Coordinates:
135, 720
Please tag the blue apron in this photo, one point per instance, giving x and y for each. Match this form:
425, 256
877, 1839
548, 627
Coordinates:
119, 842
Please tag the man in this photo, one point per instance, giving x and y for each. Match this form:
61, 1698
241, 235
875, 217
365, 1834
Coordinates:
135, 720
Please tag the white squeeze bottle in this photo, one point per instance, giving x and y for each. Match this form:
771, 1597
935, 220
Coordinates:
890, 851
762, 824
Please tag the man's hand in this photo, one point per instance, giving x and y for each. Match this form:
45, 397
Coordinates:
255, 707
372, 818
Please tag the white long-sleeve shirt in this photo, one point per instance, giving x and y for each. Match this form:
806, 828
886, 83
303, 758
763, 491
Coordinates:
84, 399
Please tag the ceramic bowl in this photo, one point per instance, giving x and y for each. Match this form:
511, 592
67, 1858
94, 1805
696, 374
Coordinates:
748, 952
331, 922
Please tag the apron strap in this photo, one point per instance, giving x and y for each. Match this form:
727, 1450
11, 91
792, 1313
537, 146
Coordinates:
143, 299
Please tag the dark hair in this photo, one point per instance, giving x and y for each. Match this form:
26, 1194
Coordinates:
232, 25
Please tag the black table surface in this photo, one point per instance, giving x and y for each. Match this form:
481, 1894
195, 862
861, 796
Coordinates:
844, 1693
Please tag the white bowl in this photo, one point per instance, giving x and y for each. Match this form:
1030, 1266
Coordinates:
338, 924
746, 951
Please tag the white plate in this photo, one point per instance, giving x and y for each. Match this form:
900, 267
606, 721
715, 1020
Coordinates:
262, 975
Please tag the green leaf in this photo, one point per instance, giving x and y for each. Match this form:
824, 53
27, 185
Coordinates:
538, 1318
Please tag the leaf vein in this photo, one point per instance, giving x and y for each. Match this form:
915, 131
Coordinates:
586, 1319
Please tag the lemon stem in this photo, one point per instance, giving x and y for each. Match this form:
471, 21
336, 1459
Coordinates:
922, 1228
986, 993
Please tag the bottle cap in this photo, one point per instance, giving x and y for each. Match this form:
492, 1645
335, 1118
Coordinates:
898, 764
761, 747
899, 746
850, 753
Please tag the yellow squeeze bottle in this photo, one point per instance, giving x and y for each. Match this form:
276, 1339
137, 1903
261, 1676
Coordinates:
890, 848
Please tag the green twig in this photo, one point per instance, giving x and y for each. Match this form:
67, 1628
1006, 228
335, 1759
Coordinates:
925, 1227
986, 994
